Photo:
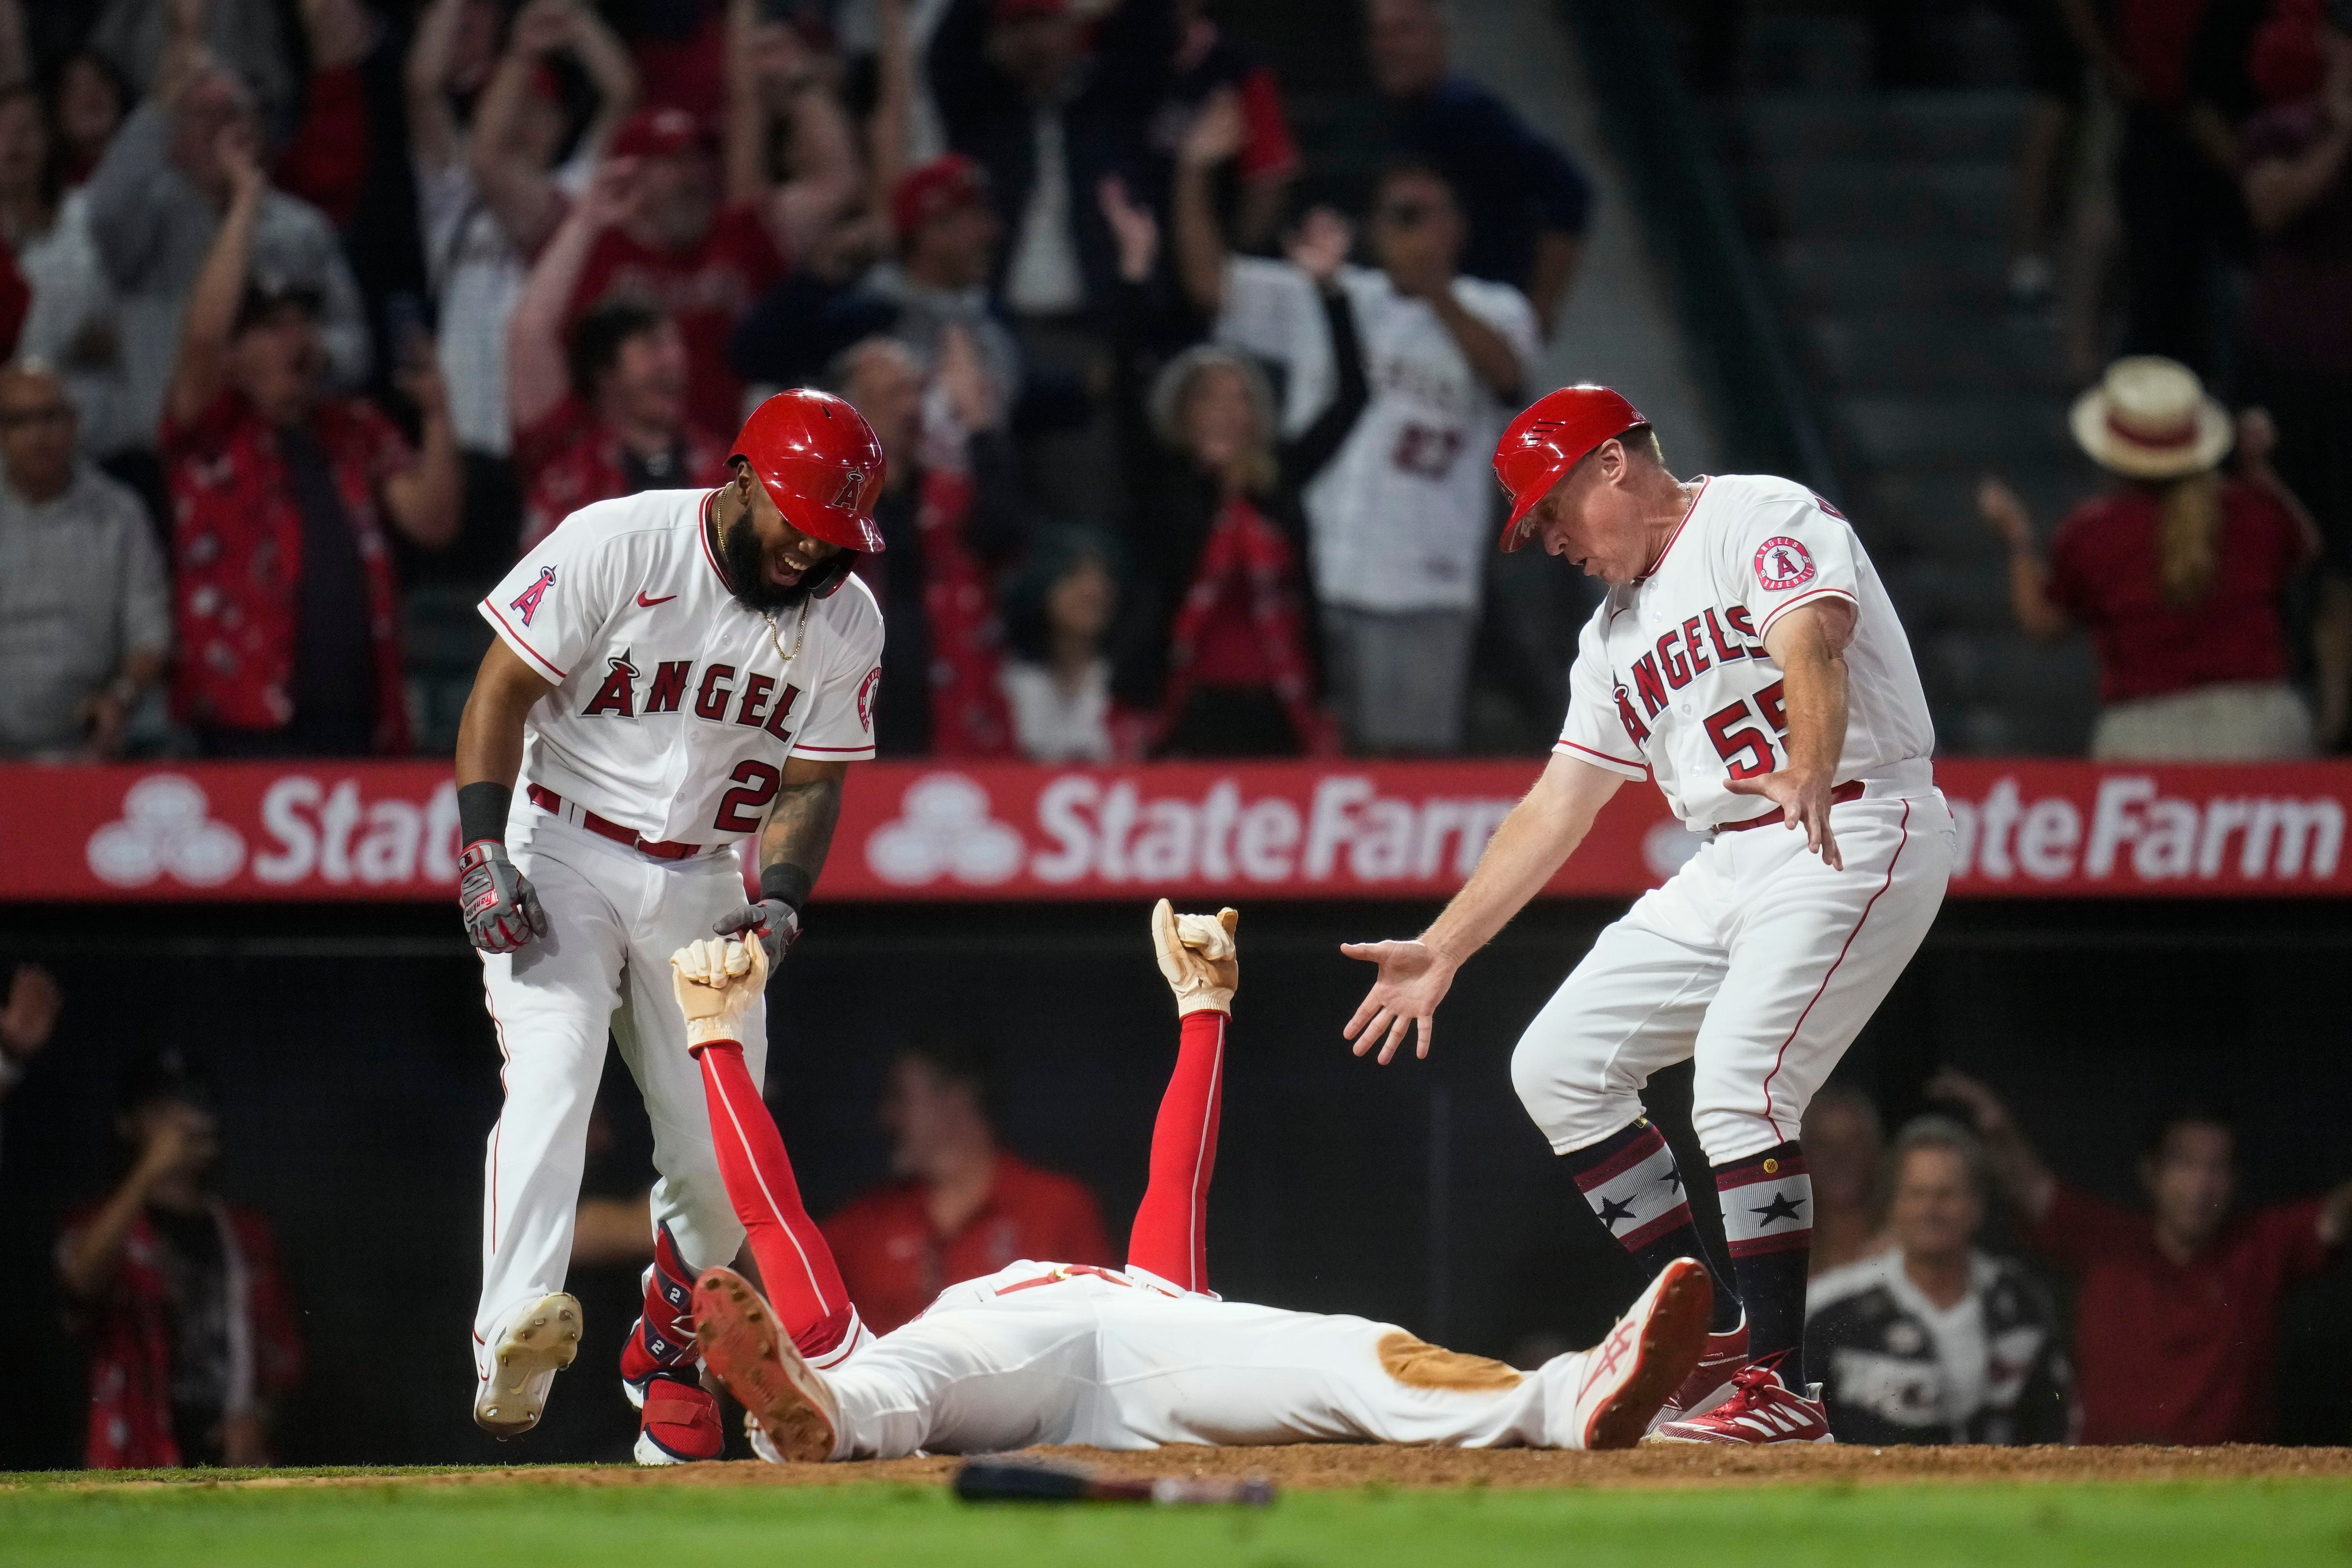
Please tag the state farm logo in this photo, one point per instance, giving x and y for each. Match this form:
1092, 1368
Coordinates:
166, 831
944, 828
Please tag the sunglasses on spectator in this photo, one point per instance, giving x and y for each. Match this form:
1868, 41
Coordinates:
25, 418
1406, 214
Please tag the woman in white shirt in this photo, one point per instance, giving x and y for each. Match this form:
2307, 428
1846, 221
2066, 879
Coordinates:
1059, 616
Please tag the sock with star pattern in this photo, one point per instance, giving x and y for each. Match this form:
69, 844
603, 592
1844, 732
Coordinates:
1631, 1181
1768, 1219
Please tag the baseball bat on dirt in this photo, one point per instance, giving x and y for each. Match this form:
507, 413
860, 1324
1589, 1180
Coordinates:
1006, 1480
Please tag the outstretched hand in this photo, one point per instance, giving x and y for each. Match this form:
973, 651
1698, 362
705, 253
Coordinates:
1415, 978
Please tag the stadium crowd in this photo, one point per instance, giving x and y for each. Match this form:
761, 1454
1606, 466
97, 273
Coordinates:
341, 299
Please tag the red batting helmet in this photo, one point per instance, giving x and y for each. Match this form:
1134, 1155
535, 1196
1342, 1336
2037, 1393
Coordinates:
1551, 436
820, 464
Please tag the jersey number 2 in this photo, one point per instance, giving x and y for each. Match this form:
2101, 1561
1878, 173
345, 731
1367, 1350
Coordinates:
1748, 742
739, 809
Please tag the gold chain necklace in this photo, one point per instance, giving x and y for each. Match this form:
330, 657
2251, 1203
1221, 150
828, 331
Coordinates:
799, 633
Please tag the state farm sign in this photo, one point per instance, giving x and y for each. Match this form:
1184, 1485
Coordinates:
300, 831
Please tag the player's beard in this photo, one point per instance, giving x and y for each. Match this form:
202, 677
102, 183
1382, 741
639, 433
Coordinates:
747, 569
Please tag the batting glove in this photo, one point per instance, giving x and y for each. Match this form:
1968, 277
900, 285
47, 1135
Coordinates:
501, 908
715, 981
1198, 956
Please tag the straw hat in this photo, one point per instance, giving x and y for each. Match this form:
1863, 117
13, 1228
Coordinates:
2150, 419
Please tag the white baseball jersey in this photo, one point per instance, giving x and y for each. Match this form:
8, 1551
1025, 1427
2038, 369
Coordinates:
1671, 677
1401, 518
676, 704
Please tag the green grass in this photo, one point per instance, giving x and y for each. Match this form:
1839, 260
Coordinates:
561, 1526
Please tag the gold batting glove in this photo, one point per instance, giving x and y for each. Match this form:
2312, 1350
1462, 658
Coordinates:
716, 980
1198, 955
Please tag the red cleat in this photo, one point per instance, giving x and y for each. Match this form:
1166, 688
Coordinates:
1761, 1409
749, 1351
1646, 1354
1709, 1383
681, 1425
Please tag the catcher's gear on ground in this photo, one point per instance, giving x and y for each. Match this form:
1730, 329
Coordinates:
501, 910
1550, 436
1198, 956
774, 923
715, 981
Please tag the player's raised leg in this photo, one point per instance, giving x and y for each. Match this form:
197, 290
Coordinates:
550, 1001
1796, 991
1633, 1006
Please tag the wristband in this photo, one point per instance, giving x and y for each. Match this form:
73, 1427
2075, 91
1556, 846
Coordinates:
482, 812
787, 884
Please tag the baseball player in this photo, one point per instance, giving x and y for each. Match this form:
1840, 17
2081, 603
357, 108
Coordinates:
1746, 657
674, 671
1131, 1358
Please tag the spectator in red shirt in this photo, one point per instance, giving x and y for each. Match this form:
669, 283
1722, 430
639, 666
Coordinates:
2175, 1311
600, 409
288, 613
191, 1332
2178, 573
960, 1205
701, 243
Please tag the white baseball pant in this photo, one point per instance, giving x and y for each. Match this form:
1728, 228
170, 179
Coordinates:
614, 917
1091, 1361
1758, 960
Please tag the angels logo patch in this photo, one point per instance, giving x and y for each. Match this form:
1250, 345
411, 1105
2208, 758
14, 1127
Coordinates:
865, 698
1782, 563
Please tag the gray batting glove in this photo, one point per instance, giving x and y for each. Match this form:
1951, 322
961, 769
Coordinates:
501, 908
771, 920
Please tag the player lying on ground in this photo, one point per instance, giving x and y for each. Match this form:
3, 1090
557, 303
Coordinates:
1132, 1358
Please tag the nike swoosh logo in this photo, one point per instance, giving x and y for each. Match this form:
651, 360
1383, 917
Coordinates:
645, 604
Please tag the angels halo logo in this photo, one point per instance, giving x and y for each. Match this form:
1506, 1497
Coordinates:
1782, 563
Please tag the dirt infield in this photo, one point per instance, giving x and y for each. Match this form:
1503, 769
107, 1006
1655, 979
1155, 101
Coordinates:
1325, 1466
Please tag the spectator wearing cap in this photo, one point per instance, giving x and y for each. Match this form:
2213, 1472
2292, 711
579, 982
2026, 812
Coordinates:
2176, 1306
177, 1294
289, 611
2177, 573
1398, 521
1525, 203
1933, 1340
492, 192
1051, 105
601, 407
958, 1206
699, 241
1209, 61
1227, 666
157, 202
948, 234
2297, 183
85, 608
952, 515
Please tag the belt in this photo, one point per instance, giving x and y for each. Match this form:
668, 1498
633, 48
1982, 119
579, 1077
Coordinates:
548, 801
1850, 790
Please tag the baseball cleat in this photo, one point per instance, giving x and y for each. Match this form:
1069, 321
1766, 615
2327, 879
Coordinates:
681, 1425
1761, 1409
1646, 1356
531, 1344
1709, 1383
749, 1351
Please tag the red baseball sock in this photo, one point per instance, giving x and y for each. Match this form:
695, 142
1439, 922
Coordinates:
1172, 1227
803, 1283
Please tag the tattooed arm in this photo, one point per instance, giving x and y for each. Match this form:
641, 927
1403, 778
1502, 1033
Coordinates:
794, 843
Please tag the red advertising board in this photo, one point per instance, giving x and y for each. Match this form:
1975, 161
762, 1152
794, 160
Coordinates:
913, 831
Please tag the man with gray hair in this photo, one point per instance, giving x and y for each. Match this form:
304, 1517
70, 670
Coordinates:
1932, 1341
85, 608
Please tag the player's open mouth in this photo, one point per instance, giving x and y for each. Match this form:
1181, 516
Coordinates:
782, 571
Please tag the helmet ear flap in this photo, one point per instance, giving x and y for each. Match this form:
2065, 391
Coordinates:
829, 574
